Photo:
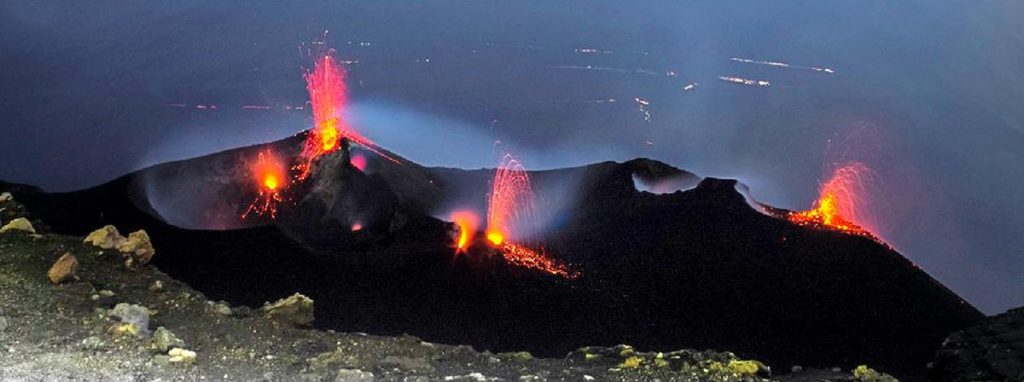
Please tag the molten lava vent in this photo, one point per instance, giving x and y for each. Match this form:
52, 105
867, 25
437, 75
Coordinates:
328, 97
268, 173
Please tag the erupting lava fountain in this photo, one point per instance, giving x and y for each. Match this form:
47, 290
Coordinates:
328, 96
269, 175
842, 203
510, 207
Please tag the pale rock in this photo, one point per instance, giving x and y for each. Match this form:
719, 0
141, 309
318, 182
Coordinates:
19, 224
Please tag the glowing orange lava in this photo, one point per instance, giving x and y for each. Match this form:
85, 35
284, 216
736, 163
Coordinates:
842, 203
510, 207
268, 172
468, 222
328, 97
271, 182
529, 258
495, 238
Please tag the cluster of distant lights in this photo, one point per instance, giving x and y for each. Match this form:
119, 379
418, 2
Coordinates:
643, 105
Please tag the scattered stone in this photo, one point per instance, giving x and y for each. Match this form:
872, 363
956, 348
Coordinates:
183, 356
468, 377
162, 359
796, 369
866, 374
107, 237
516, 356
631, 362
157, 286
745, 367
19, 224
64, 269
164, 340
132, 314
125, 330
353, 375
6, 197
93, 343
138, 247
103, 297
327, 360
421, 365
296, 310
220, 307
3, 324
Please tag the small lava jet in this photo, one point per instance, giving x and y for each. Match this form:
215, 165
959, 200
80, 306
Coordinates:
511, 209
842, 203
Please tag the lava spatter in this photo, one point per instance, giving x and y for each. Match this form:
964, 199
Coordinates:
270, 177
842, 203
328, 96
510, 208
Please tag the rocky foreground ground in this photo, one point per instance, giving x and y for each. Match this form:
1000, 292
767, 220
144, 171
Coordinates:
94, 311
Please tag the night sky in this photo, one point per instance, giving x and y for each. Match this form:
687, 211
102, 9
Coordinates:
928, 95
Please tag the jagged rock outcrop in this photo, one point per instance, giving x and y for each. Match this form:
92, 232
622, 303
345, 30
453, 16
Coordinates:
137, 247
990, 351
296, 310
107, 237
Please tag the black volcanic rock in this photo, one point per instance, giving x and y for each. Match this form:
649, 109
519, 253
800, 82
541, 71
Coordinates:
692, 264
993, 350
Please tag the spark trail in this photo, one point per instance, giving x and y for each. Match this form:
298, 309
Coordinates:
328, 97
510, 208
271, 179
843, 203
